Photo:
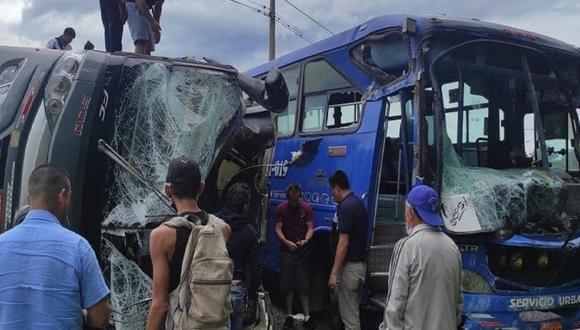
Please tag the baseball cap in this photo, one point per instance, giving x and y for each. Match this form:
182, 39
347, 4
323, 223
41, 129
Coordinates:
183, 170
425, 200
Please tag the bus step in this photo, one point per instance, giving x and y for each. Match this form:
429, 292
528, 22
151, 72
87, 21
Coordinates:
379, 257
379, 299
391, 232
378, 281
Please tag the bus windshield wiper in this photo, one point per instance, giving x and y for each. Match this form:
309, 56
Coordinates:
114, 155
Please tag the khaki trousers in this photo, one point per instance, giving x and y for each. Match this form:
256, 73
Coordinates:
349, 291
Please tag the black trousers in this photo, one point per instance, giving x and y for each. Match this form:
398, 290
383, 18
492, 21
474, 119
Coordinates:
112, 24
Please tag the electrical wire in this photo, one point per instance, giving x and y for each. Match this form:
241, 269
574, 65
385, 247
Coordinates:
282, 21
244, 5
309, 17
259, 4
381, 6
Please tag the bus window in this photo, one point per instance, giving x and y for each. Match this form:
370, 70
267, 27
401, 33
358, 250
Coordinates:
343, 110
559, 137
313, 117
320, 76
394, 118
475, 121
385, 57
329, 101
286, 120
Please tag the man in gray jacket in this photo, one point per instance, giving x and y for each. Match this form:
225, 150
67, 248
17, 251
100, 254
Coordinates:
425, 270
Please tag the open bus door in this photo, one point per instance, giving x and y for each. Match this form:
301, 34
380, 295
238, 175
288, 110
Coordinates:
393, 182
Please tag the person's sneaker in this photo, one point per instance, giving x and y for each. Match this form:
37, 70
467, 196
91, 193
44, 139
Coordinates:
310, 324
289, 323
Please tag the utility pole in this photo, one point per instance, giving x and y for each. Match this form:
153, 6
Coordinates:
272, 34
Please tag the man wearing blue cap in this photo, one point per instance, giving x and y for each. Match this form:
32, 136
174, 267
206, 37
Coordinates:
425, 270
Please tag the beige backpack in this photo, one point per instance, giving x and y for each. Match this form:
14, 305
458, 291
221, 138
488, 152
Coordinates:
201, 300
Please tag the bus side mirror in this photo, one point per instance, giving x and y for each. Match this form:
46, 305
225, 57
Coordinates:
271, 93
276, 91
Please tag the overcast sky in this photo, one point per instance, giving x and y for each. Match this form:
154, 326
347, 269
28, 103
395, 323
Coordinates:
229, 33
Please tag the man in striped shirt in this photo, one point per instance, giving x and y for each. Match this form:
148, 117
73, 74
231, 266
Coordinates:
425, 270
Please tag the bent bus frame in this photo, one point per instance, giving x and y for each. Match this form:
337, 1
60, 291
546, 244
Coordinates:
485, 113
56, 106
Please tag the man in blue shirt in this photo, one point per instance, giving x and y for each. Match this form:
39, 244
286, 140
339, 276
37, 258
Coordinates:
348, 272
49, 276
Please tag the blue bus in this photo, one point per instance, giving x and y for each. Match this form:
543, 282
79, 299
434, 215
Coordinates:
487, 114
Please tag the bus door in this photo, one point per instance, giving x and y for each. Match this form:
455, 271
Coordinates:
393, 183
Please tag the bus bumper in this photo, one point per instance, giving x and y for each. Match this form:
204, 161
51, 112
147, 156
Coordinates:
536, 320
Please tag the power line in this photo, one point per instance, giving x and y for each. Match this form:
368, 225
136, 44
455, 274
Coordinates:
294, 29
309, 17
282, 21
381, 6
263, 12
259, 4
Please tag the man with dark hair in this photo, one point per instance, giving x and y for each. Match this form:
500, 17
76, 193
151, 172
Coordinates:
425, 270
243, 250
63, 41
349, 268
144, 17
113, 15
49, 276
294, 229
167, 244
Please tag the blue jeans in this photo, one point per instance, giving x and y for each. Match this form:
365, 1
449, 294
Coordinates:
113, 26
238, 295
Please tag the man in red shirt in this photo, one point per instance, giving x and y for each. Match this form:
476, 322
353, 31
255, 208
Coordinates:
294, 230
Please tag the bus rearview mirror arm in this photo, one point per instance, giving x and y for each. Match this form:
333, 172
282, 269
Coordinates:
271, 93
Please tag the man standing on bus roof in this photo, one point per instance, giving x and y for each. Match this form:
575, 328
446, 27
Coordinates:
425, 270
294, 229
113, 16
143, 18
349, 268
49, 275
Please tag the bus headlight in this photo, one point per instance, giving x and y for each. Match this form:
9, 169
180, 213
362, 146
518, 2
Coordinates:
543, 260
517, 261
59, 86
472, 282
53, 107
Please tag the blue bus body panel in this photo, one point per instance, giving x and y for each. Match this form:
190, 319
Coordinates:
518, 321
540, 241
358, 161
424, 24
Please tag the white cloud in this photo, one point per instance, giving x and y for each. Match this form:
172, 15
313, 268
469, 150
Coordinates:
236, 35
11, 11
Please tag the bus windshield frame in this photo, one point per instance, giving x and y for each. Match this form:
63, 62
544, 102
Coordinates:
493, 81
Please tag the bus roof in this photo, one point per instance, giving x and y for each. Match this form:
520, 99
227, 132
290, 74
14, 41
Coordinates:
424, 23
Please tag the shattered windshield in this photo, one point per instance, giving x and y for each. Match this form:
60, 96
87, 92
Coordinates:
498, 138
165, 111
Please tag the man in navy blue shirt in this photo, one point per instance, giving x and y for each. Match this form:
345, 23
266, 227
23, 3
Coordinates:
49, 276
349, 268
